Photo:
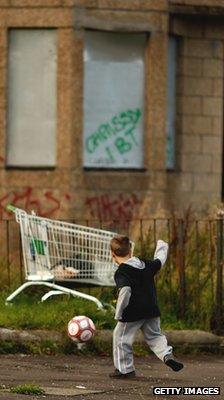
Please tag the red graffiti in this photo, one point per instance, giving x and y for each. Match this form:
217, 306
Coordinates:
68, 196
27, 200
106, 208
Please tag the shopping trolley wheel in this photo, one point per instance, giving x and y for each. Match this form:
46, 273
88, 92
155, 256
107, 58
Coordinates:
8, 303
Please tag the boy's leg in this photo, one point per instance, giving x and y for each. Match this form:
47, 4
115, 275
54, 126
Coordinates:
123, 337
155, 339
158, 343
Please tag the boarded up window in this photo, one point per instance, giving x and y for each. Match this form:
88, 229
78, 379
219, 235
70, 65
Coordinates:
31, 119
113, 100
171, 106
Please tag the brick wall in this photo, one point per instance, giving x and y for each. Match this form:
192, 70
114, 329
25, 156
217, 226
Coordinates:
68, 191
42, 190
197, 181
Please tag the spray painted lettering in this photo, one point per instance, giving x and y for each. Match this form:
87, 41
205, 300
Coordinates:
26, 199
120, 207
116, 135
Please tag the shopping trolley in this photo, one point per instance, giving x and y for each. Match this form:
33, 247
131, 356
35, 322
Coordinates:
56, 252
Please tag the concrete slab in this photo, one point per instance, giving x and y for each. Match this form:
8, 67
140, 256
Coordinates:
62, 391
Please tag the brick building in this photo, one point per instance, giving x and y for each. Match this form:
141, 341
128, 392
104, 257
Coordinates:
111, 108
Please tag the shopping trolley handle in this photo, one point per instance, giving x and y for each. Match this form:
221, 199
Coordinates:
17, 211
11, 208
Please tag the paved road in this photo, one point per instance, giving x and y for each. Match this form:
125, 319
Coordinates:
86, 377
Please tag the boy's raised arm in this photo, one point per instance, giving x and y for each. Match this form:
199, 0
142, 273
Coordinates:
161, 251
160, 255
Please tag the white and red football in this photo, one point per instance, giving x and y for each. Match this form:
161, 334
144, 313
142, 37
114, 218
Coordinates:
81, 328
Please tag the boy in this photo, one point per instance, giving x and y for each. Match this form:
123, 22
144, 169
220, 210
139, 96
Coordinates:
137, 307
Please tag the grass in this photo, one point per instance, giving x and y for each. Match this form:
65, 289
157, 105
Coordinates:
186, 286
191, 265
28, 388
26, 312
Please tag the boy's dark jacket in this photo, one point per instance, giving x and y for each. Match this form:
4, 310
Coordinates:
143, 300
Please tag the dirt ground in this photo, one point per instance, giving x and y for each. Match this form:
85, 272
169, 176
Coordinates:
86, 377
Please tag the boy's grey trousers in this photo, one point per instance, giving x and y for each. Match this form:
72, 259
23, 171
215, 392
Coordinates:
123, 338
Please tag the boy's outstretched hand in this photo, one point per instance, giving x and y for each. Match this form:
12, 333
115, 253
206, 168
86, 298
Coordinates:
161, 251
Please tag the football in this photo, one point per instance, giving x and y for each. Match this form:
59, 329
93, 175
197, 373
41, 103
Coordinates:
81, 328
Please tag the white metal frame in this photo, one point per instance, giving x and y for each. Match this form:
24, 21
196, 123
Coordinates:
59, 290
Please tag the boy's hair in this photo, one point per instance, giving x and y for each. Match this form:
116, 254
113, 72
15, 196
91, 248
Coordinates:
120, 245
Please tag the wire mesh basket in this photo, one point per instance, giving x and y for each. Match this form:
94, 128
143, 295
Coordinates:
56, 251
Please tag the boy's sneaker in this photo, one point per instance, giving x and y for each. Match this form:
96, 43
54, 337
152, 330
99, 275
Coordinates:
171, 362
118, 375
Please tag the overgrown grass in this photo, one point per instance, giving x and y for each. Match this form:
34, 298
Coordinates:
54, 314
28, 388
27, 312
186, 286
191, 263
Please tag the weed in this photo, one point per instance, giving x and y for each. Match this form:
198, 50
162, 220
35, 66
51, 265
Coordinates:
186, 286
2, 387
28, 388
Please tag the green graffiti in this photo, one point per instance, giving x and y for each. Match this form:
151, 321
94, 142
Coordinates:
123, 124
122, 145
109, 153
